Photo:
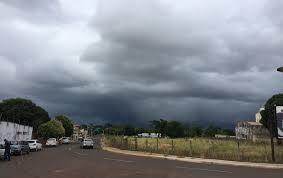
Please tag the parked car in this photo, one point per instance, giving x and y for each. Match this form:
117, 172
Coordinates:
51, 142
87, 143
65, 140
34, 145
19, 147
2, 151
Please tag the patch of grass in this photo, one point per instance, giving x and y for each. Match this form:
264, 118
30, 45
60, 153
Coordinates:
199, 147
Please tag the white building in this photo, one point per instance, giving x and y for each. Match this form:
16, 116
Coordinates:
13, 131
258, 115
150, 135
249, 130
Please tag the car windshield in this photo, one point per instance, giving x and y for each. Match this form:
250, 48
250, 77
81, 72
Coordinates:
1, 146
51, 139
15, 143
31, 141
88, 140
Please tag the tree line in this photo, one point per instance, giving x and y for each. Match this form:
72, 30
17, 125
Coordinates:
25, 112
173, 129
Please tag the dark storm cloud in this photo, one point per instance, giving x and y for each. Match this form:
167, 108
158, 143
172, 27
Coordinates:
134, 61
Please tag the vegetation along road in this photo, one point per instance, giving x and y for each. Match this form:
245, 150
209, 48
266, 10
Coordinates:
69, 161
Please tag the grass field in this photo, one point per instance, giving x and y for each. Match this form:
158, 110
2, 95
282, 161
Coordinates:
199, 147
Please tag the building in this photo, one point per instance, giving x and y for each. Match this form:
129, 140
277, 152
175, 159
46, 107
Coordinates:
253, 131
79, 133
258, 115
220, 136
15, 132
76, 132
149, 135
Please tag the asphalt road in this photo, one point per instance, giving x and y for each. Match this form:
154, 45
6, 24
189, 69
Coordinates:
69, 161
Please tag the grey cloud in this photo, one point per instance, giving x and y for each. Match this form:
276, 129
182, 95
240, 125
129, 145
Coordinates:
182, 60
40, 12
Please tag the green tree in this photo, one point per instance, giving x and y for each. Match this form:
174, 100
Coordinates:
193, 131
211, 131
67, 124
160, 126
129, 130
23, 111
269, 119
268, 115
175, 129
52, 128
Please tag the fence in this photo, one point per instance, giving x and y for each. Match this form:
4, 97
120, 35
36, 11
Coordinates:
200, 147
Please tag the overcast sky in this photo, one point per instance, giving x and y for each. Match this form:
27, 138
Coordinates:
139, 60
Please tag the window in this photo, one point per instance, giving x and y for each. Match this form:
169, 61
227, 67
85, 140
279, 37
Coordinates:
25, 133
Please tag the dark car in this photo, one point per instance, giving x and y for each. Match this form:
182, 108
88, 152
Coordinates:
19, 147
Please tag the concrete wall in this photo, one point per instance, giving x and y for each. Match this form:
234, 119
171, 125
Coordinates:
13, 131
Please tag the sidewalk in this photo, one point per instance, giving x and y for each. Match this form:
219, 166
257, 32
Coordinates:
194, 160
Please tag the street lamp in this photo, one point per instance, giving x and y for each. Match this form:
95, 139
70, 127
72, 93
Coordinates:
280, 69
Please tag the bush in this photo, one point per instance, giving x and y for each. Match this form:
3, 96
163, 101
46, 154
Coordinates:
52, 128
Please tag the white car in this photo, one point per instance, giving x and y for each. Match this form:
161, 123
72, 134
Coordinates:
65, 140
34, 145
51, 142
87, 143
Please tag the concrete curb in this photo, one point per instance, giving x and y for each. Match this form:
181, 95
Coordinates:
195, 160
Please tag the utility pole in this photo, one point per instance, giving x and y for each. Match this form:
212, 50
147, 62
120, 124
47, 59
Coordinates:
272, 135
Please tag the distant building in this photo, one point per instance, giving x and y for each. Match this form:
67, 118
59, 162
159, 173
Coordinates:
220, 136
253, 131
79, 133
258, 115
15, 132
76, 132
150, 135
143, 135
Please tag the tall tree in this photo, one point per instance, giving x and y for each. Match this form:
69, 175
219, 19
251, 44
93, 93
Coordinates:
160, 126
129, 130
23, 111
67, 124
175, 129
269, 118
268, 114
52, 129
211, 131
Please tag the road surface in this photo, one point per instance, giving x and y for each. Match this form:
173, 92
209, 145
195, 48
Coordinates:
69, 161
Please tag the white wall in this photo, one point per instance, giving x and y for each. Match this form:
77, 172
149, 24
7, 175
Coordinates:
12, 131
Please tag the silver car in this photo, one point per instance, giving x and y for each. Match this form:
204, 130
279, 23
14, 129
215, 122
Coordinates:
19, 147
2, 151
87, 143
